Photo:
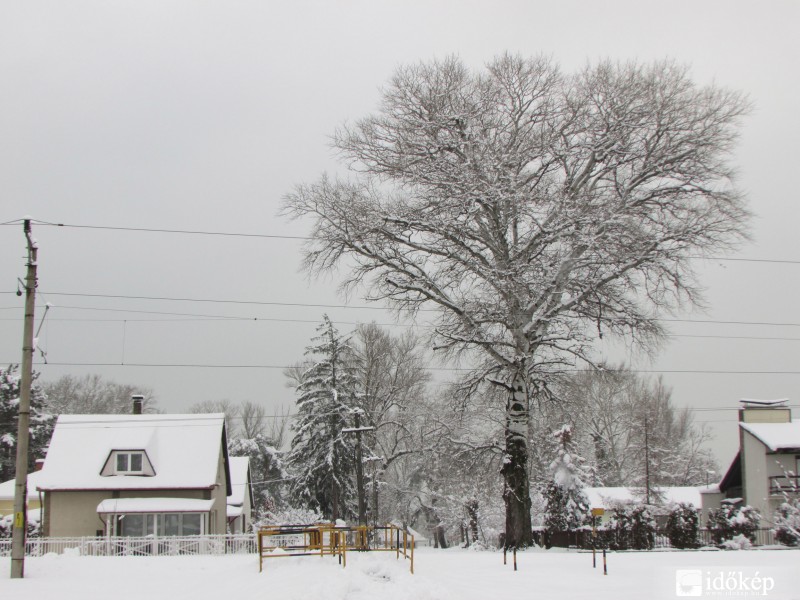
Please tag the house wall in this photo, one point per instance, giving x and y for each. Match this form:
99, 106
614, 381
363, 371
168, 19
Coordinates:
7, 505
74, 514
70, 514
765, 415
755, 473
710, 501
218, 521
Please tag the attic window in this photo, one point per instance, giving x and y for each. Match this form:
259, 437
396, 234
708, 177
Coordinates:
129, 463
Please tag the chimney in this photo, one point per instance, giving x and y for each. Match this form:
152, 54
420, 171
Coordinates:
39, 464
137, 404
764, 411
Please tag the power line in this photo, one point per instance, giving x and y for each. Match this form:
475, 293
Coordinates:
298, 237
194, 318
173, 231
461, 369
351, 306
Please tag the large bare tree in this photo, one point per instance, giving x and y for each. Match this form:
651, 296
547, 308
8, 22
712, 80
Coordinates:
534, 209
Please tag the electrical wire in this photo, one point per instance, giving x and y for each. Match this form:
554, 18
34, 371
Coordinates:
297, 237
453, 369
350, 306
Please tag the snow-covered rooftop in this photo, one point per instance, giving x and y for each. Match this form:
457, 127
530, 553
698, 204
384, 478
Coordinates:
183, 450
239, 466
154, 505
776, 436
7, 491
605, 497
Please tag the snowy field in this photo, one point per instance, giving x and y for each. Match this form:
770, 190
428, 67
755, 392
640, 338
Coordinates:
439, 575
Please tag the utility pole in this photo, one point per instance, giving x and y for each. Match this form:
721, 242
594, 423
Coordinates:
21, 480
362, 501
646, 464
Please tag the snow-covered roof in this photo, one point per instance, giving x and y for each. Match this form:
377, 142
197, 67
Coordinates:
239, 466
605, 497
234, 511
8, 491
776, 436
153, 505
764, 403
183, 450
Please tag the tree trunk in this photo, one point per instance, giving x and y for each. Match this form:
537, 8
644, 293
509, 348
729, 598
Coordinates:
516, 488
472, 523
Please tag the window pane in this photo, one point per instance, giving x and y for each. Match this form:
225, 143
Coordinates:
136, 462
132, 525
122, 462
172, 524
151, 524
191, 525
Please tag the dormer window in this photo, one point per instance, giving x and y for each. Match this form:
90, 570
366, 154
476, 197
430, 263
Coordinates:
130, 463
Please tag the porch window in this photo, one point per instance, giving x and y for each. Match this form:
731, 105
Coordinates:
159, 525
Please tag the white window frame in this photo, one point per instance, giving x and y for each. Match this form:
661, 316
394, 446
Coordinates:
151, 527
128, 454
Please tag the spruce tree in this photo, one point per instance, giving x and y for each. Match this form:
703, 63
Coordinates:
41, 423
567, 504
322, 457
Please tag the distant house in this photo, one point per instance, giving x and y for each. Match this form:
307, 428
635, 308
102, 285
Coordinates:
766, 466
607, 498
136, 475
8, 491
240, 500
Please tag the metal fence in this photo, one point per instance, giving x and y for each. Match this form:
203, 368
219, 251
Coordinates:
137, 546
584, 539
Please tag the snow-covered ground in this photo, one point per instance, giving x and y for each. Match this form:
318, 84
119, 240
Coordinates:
439, 575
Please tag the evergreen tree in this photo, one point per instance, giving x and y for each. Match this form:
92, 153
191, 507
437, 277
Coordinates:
567, 505
682, 526
41, 424
322, 457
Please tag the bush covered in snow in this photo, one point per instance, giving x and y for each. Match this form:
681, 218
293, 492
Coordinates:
7, 524
738, 542
730, 521
291, 516
567, 507
682, 526
787, 523
633, 526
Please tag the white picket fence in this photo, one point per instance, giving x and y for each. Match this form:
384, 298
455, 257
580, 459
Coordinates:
137, 546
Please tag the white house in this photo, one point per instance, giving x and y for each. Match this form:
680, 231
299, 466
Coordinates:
240, 500
135, 475
765, 469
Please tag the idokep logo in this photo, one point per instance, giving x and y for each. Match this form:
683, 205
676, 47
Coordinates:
689, 582
720, 583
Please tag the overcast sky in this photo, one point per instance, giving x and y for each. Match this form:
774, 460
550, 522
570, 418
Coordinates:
200, 115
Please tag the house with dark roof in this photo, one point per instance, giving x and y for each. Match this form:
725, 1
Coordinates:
136, 475
765, 469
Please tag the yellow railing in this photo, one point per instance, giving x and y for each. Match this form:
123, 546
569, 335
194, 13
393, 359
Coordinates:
321, 539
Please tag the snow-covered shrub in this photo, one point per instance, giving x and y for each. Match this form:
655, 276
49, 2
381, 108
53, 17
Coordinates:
730, 521
682, 526
633, 527
787, 522
7, 525
291, 516
567, 507
738, 542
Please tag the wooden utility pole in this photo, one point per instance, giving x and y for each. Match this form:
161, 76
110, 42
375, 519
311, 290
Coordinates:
646, 463
362, 501
21, 480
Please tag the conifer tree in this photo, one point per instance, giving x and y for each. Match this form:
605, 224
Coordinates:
322, 457
567, 504
41, 423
